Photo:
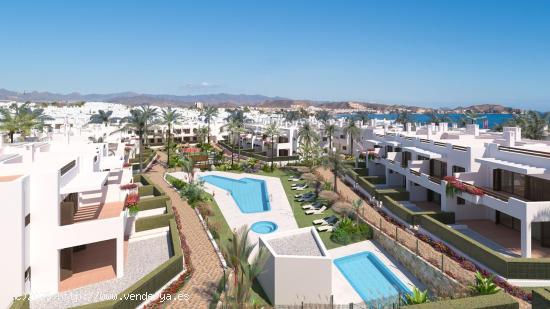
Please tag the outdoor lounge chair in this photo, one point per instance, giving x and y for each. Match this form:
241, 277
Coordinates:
309, 194
323, 220
325, 228
300, 188
316, 211
312, 206
306, 199
298, 184
293, 178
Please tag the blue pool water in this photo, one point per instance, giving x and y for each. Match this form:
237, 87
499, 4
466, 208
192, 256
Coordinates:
264, 227
370, 278
249, 194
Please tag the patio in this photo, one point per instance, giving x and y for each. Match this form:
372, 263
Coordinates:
501, 238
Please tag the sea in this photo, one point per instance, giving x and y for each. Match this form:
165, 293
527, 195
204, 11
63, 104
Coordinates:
492, 119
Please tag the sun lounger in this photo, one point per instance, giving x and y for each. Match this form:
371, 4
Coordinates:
323, 220
297, 185
300, 188
325, 228
316, 211
306, 199
304, 195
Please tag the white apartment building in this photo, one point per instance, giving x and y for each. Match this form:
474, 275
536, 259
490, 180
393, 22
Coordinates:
63, 214
513, 212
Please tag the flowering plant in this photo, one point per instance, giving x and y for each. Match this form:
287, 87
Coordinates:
373, 155
126, 164
455, 186
128, 186
131, 200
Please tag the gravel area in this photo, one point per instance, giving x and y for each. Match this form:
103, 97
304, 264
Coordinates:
299, 244
143, 257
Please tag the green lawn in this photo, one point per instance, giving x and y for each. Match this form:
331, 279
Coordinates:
302, 219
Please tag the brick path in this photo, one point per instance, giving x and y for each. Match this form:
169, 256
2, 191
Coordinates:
208, 270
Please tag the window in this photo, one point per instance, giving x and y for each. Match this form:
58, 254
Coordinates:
342, 136
423, 158
460, 201
28, 274
344, 148
325, 138
27, 219
438, 168
68, 167
458, 169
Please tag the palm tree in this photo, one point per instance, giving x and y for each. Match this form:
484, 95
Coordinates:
532, 124
272, 130
187, 166
138, 121
149, 114
352, 130
292, 116
403, 117
323, 116
237, 251
209, 113
21, 119
335, 162
202, 134
470, 117
235, 128
357, 204
438, 118
102, 116
361, 116
169, 117
328, 131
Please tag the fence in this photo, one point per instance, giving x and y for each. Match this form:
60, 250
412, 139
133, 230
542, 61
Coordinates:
395, 301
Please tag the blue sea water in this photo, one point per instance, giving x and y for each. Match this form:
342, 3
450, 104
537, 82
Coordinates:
370, 278
249, 194
492, 119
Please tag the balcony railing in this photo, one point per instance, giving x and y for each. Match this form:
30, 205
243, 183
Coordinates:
435, 179
440, 144
415, 172
460, 148
525, 151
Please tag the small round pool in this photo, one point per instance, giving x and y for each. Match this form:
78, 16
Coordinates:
264, 227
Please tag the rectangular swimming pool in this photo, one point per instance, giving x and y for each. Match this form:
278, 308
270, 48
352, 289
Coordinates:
370, 278
250, 194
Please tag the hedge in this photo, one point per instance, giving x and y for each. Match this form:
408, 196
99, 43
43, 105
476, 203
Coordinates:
494, 301
144, 180
151, 282
152, 202
21, 302
365, 184
153, 222
149, 190
396, 194
375, 179
541, 298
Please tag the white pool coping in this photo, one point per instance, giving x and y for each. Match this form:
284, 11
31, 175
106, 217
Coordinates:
280, 212
342, 290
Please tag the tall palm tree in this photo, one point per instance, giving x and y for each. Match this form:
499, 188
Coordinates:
187, 165
403, 117
202, 134
102, 116
209, 113
138, 122
532, 124
149, 114
438, 118
352, 130
361, 116
292, 116
21, 118
328, 131
272, 130
235, 128
470, 117
238, 251
307, 134
334, 161
169, 117
323, 116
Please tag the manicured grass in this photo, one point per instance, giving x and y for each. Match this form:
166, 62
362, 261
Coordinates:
302, 219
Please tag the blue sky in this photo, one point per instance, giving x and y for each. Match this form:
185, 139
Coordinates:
418, 52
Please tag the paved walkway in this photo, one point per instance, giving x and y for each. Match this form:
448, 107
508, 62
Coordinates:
208, 271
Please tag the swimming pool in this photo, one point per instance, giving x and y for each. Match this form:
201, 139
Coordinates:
250, 194
370, 278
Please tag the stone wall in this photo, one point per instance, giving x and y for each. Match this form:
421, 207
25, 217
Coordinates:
438, 283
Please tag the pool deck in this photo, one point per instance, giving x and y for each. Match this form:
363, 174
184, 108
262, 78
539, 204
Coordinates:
342, 289
280, 213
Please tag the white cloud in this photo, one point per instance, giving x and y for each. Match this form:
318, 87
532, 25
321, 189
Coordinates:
201, 86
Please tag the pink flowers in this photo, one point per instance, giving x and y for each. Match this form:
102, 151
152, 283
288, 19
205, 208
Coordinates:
460, 186
128, 186
125, 165
131, 200
373, 155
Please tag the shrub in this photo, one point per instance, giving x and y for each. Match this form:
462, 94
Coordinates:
205, 209
266, 168
194, 193
347, 232
175, 182
214, 227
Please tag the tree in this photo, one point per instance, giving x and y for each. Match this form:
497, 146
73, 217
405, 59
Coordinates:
149, 114
532, 124
235, 128
209, 113
470, 117
169, 117
237, 252
352, 130
187, 166
403, 117
323, 116
202, 134
138, 121
361, 116
438, 118
328, 131
101, 116
272, 130
357, 204
335, 163
292, 116
21, 119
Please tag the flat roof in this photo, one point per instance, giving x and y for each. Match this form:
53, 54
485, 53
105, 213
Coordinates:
302, 244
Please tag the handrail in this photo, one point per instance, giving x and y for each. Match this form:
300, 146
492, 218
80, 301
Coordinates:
415, 172
440, 144
423, 140
435, 179
525, 151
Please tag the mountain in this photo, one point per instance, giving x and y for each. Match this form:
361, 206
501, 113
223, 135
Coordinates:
133, 98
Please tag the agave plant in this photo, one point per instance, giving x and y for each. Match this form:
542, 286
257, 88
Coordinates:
484, 285
416, 297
